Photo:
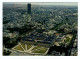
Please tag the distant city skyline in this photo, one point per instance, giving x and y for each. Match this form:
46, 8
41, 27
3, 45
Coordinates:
40, 29
46, 3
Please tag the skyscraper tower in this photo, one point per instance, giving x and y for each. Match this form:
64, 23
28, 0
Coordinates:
29, 12
29, 8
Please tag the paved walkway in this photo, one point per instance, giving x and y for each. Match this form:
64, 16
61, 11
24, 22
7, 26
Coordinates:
26, 51
31, 49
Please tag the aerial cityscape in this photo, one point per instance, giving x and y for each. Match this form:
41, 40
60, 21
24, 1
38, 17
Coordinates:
40, 29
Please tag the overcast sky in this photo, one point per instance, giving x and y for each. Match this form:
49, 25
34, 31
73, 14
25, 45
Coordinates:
54, 3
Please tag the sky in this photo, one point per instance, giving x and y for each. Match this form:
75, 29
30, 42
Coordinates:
44, 3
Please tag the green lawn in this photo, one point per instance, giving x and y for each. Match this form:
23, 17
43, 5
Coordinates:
67, 40
19, 48
29, 46
38, 49
23, 45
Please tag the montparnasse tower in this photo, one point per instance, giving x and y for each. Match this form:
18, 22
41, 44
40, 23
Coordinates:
29, 12
29, 8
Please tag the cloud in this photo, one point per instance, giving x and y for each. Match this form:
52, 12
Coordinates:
44, 3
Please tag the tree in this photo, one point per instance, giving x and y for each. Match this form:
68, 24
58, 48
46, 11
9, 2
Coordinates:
6, 52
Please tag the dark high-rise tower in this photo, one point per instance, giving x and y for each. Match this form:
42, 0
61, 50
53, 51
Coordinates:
29, 8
